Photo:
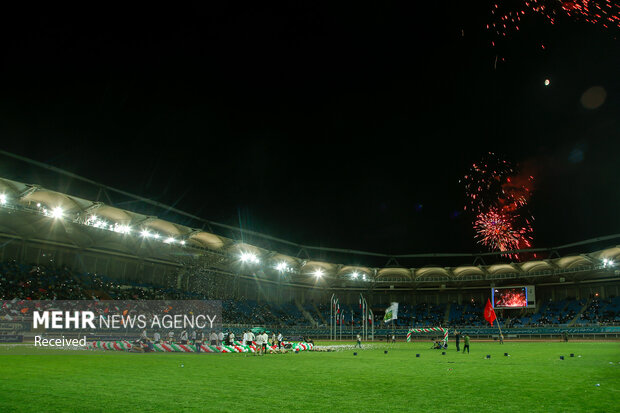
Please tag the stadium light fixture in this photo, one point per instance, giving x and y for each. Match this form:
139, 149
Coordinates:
169, 240
57, 213
145, 233
2, 199
355, 275
281, 266
122, 229
182, 242
318, 273
156, 235
249, 257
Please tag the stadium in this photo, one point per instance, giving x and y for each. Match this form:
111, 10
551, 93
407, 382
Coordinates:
60, 246
382, 207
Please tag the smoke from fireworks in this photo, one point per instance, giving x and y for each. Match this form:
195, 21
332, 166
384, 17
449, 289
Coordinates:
498, 196
507, 15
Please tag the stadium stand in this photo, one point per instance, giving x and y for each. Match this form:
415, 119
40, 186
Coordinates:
38, 282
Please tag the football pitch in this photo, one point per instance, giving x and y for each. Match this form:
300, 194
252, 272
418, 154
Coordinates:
532, 378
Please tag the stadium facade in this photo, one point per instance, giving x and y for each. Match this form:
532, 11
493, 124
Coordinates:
41, 226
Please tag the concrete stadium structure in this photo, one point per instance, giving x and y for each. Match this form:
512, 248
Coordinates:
41, 225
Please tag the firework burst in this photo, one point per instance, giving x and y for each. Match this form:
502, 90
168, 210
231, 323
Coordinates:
498, 196
497, 231
508, 15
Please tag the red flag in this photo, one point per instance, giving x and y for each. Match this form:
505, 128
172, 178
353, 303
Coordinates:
489, 312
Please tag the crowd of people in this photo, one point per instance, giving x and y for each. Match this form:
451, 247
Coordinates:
40, 282
260, 340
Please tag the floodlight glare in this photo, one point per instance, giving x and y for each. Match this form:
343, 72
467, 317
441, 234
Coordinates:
355, 275
318, 273
169, 240
183, 242
249, 257
123, 229
145, 233
57, 213
2, 199
281, 266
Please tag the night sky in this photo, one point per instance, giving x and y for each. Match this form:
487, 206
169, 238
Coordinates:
345, 126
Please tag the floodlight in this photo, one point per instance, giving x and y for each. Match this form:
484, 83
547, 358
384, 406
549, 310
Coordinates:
169, 240
355, 275
183, 242
281, 266
145, 233
318, 273
156, 235
249, 257
123, 229
2, 199
57, 213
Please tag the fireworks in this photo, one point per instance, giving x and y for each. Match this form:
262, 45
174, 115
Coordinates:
508, 14
497, 231
498, 196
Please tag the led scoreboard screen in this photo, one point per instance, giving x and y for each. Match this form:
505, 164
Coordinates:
513, 297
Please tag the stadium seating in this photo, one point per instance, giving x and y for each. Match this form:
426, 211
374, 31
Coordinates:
37, 282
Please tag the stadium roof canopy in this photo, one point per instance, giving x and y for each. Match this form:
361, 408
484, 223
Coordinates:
117, 229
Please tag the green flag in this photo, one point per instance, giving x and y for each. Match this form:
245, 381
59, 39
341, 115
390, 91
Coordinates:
391, 313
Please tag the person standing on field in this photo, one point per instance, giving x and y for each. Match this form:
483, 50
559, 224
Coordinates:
359, 341
466, 346
457, 340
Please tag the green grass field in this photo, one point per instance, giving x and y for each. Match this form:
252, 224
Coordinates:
533, 378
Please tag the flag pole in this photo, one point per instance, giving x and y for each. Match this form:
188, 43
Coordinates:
331, 316
372, 326
498, 326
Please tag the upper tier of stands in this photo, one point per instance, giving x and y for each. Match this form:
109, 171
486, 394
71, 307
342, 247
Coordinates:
36, 282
